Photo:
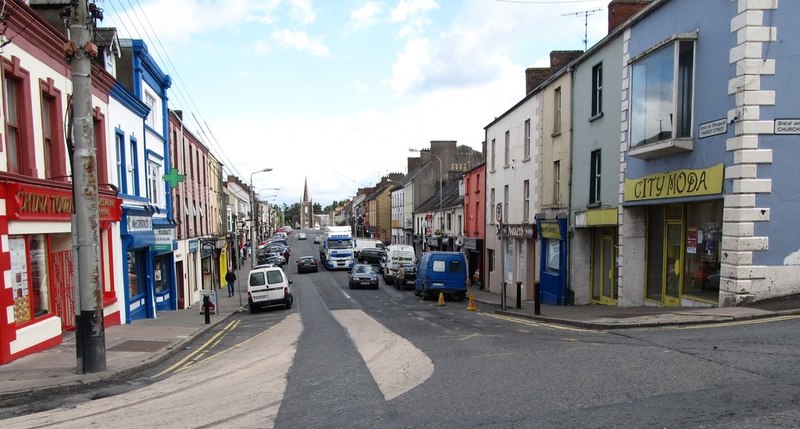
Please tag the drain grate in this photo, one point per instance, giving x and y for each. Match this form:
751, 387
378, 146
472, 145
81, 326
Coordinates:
138, 346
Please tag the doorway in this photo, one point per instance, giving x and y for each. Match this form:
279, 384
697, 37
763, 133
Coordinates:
603, 266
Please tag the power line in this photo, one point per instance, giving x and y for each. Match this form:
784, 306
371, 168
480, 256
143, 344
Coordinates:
160, 51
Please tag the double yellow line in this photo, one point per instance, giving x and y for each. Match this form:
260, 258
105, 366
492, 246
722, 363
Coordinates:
200, 354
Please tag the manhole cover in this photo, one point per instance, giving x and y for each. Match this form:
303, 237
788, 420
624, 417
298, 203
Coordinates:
138, 346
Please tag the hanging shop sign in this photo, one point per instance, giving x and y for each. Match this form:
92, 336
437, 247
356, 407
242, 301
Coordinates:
193, 246
676, 184
27, 202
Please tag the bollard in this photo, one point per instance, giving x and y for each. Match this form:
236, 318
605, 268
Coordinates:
503, 298
519, 295
207, 308
537, 308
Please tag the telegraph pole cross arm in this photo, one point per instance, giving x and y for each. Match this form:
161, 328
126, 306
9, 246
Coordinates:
174, 177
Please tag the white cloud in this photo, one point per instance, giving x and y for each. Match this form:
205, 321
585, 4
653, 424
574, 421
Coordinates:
360, 86
407, 71
302, 11
365, 16
301, 41
406, 9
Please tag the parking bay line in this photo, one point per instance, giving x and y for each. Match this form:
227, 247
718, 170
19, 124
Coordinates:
539, 324
202, 349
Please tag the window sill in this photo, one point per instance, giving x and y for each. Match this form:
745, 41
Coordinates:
596, 117
526, 159
662, 148
555, 134
596, 205
506, 166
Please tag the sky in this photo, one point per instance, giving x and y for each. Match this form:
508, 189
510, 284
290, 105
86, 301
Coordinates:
336, 92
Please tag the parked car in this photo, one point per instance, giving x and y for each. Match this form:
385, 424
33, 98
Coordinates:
268, 286
307, 264
363, 275
442, 272
372, 256
301, 236
406, 276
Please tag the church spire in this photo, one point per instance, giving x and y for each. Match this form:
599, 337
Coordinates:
306, 197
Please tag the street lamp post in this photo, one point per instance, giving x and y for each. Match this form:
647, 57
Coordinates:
441, 209
253, 218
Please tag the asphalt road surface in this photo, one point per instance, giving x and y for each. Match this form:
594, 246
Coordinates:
385, 359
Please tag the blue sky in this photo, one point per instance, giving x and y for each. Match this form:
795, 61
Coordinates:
337, 91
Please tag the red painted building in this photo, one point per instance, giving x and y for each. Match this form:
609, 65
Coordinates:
475, 214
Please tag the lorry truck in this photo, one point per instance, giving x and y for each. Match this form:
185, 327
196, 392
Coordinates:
336, 249
396, 256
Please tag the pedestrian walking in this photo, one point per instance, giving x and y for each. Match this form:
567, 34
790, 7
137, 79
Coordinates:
286, 256
230, 278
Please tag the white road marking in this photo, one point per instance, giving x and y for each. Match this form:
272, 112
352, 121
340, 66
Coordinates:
396, 365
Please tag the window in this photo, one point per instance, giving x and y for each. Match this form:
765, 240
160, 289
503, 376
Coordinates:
132, 176
99, 124
526, 139
556, 182
553, 249
493, 154
29, 277
557, 111
53, 148
47, 134
661, 94
154, 183
150, 101
507, 149
13, 132
119, 142
20, 149
505, 204
491, 206
597, 90
594, 178
526, 196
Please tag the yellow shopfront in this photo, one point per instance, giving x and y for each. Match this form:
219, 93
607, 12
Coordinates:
683, 215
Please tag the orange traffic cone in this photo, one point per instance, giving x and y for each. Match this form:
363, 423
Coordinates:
441, 299
472, 306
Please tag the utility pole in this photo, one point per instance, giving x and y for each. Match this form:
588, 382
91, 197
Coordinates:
90, 334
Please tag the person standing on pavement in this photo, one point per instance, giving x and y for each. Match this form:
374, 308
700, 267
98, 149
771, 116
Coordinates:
476, 278
230, 278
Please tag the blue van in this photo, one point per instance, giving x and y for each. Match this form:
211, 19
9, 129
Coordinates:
444, 272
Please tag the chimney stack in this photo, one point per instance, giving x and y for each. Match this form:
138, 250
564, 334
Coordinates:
620, 11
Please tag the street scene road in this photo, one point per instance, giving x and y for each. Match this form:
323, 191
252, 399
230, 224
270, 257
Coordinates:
386, 358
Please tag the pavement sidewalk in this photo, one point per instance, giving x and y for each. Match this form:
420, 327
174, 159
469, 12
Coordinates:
129, 348
143, 343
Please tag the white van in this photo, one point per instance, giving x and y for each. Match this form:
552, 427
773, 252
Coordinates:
361, 243
396, 256
267, 286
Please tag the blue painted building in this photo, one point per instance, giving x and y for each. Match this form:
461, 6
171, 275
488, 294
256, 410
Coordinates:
147, 227
710, 131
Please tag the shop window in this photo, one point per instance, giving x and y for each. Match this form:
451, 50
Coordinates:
703, 240
553, 255
29, 277
136, 282
160, 273
661, 100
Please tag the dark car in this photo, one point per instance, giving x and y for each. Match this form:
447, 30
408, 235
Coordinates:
406, 276
372, 256
363, 275
307, 264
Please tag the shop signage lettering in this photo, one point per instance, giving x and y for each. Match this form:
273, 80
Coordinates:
675, 184
551, 230
787, 126
193, 246
35, 203
140, 223
520, 231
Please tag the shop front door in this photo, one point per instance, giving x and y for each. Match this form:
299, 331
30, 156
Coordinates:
673, 263
604, 284
63, 289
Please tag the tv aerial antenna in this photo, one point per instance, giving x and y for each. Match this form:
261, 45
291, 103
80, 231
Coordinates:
585, 14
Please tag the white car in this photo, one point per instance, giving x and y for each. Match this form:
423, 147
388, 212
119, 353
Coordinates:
301, 236
268, 286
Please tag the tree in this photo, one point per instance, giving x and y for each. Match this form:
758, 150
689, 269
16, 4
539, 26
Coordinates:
291, 214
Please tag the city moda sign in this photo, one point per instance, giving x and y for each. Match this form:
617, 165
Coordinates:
28, 202
676, 184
